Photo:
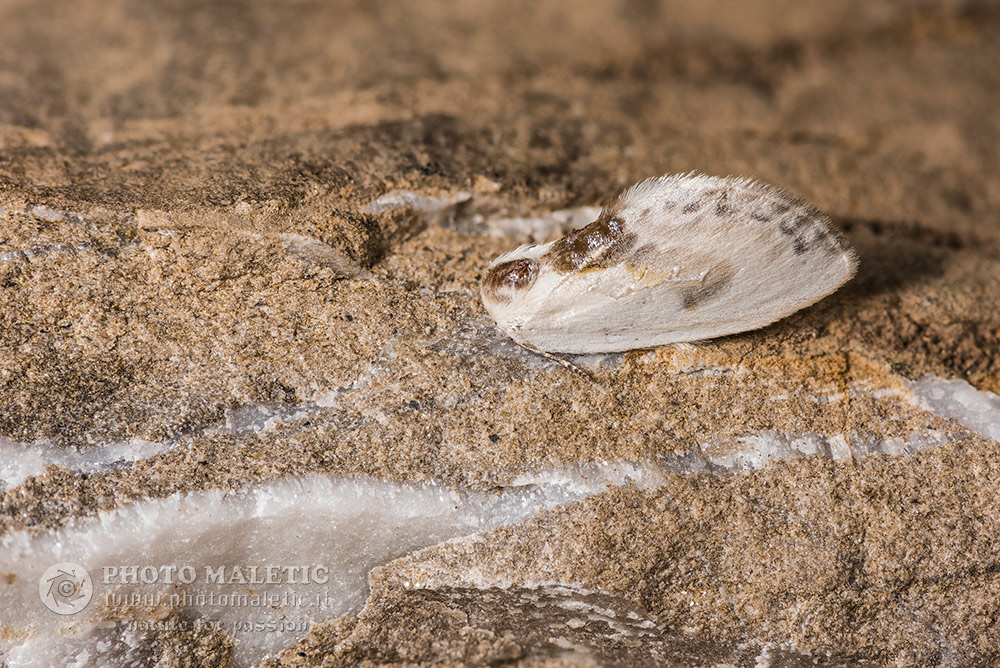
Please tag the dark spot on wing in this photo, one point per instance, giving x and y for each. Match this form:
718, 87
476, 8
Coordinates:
800, 227
829, 240
507, 278
769, 210
811, 231
722, 205
713, 285
691, 207
791, 226
599, 245
840, 243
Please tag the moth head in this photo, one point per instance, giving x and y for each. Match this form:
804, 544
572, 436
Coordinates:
511, 276
507, 279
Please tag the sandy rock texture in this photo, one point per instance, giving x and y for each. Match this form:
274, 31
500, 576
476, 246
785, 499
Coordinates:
188, 238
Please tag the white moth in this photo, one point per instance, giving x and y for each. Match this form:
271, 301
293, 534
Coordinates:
672, 259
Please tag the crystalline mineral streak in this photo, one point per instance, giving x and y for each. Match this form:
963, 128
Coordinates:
331, 531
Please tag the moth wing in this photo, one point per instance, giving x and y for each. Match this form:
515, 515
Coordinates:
658, 295
679, 258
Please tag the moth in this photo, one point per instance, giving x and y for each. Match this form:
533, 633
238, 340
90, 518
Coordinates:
672, 259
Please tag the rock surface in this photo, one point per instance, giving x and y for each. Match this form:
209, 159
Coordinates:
240, 244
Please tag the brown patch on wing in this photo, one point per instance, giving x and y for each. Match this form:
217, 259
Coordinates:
696, 276
713, 285
601, 244
507, 278
651, 264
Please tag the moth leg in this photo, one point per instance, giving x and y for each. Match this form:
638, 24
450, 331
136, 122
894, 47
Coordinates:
565, 363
